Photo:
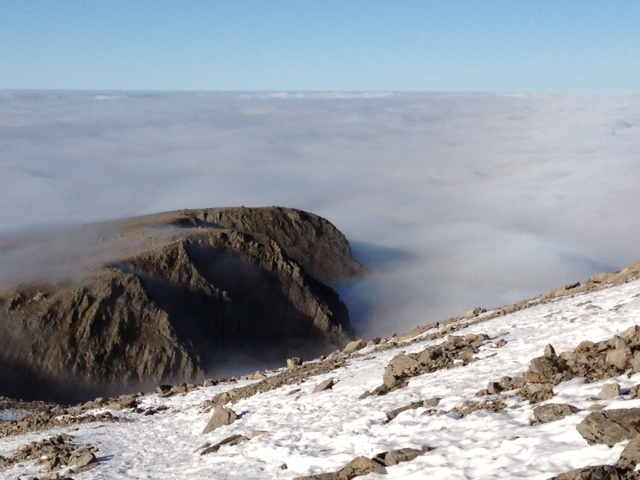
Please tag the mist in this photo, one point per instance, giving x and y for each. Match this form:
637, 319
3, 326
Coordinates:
451, 200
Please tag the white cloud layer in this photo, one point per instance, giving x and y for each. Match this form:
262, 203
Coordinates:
453, 200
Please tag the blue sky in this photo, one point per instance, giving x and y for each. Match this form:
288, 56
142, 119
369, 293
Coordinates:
323, 45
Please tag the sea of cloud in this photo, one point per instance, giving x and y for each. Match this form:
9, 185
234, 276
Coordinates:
451, 200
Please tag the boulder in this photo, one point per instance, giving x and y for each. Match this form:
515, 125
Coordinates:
395, 457
598, 472
630, 456
472, 312
326, 385
544, 369
412, 406
221, 416
609, 391
537, 392
293, 363
354, 346
552, 412
230, 441
610, 426
357, 467
82, 460
399, 368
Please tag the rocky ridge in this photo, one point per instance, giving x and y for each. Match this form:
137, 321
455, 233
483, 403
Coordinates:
218, 287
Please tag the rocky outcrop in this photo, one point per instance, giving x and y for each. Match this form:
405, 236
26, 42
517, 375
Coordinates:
221, 285
456, 350
594, 361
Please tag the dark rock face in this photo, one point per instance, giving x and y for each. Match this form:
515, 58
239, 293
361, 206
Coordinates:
187, 308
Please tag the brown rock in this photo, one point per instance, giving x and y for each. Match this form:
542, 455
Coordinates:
552, 412
599, 472
537, 392
354, 346
610, 426
357, 467
400, 367
231, 441
326, 385
609, 391
630, 456
544, 369
549, 351
293, 363
618, 358
221, 416
395, 457
82, 460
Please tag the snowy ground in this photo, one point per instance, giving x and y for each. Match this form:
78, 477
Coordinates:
313, 433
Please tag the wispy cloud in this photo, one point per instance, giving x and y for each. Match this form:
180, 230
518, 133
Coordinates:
456, 200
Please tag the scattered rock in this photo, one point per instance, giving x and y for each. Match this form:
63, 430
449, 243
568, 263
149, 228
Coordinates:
472, 312
400, 368
610, 426
231, 441
395, 457
50, 418
397, 411
364, 466
500, 343
54, 454
355, 468
455, 350
326, 385
609, 391
599, 472
293, 363
82, 460
537, 392
552, 412
354, 346
630, 456
284, 377
221, 416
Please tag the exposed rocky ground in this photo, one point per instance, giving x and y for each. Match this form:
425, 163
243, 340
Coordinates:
175, 297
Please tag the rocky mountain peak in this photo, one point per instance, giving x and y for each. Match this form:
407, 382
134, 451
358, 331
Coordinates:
198, 292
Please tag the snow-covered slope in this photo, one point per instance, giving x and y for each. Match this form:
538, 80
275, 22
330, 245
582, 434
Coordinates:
293, 431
